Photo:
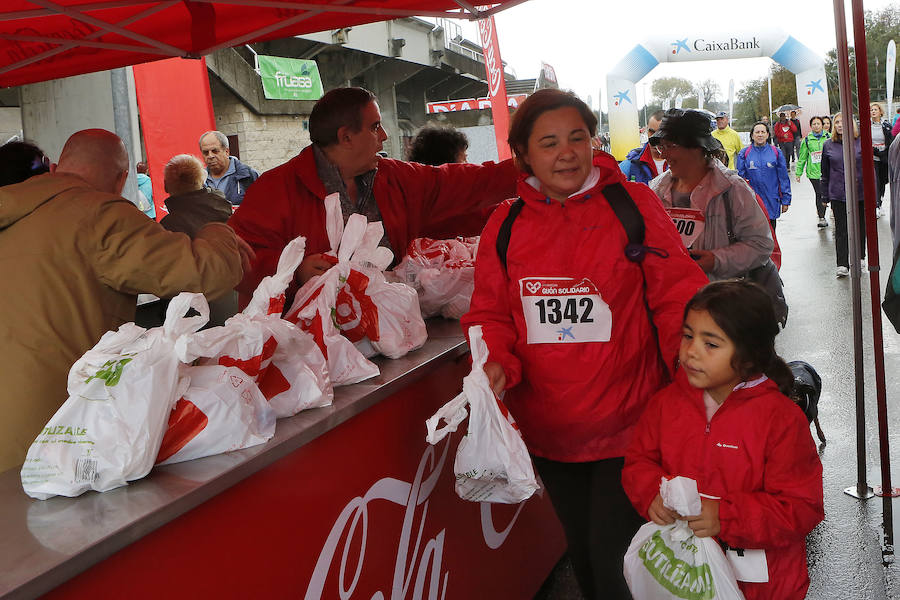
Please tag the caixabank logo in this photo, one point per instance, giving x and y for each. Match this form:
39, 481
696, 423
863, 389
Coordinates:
704, 45
622, 97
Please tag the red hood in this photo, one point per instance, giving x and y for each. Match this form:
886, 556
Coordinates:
647, 158
605, 166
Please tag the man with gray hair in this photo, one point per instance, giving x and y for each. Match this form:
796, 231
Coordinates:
226, 172
74, 255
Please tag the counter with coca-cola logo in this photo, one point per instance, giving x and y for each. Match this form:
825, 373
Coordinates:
347, 501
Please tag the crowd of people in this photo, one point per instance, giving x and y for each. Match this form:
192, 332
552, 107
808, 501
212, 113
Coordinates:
648, 353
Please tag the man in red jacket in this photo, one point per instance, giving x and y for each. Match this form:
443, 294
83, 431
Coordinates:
412, 200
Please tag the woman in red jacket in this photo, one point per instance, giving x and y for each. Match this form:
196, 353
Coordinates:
726, 423
566, 322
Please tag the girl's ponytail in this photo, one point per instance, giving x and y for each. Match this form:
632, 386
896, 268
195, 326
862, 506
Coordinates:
781, 374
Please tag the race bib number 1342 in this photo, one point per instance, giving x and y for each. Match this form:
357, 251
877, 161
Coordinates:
562, 310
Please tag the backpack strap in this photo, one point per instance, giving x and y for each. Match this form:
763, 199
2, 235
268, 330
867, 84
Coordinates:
729, 217
630, 217
505, 231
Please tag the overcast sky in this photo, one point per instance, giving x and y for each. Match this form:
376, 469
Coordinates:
583, 39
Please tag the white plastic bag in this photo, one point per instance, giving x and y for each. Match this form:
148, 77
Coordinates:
284, 361
121, 391
394, 326
297, 377
668, 562
242, 341
315, 305
378, 316
443, 274
492, 463
222, 410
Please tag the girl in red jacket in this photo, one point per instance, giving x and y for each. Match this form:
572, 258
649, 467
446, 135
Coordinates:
725, 421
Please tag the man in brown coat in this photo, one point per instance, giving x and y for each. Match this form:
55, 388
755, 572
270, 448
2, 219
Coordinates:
73, 257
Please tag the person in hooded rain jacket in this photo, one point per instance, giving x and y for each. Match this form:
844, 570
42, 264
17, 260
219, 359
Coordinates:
644, 163
834, 192
765, 169
726, 423
699, 193
810, 159
567, 327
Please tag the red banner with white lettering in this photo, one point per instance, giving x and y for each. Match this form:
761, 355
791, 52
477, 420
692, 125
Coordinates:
496, 84
176, 109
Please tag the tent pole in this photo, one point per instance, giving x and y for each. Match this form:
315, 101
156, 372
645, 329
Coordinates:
861, 490
886, 490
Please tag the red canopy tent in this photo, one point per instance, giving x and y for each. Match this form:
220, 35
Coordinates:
49, 39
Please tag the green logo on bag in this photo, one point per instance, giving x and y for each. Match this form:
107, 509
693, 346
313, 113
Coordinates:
677, 576
111, 371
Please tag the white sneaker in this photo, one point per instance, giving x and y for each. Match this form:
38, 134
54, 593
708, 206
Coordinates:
823, 222
841, 272
878, 213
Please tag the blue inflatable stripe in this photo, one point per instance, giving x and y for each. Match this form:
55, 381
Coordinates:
796, 57
635, 64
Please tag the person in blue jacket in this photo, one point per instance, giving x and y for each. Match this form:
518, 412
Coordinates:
765, 168
644, 163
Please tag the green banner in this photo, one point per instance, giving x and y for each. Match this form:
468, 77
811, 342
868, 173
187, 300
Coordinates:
290, 78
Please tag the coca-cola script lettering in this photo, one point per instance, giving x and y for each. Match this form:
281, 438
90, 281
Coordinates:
418, 570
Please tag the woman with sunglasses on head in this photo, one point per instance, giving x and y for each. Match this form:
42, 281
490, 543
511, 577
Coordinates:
567, 320
703, 197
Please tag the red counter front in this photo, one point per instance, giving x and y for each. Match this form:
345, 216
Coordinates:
366, 510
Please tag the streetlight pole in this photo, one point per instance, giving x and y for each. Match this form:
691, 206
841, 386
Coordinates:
645, 103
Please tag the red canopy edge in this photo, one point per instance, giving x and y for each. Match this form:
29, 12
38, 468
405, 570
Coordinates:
43, 39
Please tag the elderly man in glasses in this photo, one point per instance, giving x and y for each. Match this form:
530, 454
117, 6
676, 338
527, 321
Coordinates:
645, 162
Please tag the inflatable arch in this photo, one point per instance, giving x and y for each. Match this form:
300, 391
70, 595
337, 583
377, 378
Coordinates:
807, 66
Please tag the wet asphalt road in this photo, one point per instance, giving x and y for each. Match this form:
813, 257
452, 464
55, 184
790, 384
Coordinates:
845, 550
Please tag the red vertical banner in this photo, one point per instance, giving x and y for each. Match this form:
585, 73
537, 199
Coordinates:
176, 108
496, 84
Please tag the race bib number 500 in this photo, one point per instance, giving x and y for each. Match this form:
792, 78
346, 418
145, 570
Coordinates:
689, 222
563, 310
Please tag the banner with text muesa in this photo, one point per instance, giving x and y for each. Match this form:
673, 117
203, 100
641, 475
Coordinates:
366, 511
471, 104
289, 78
